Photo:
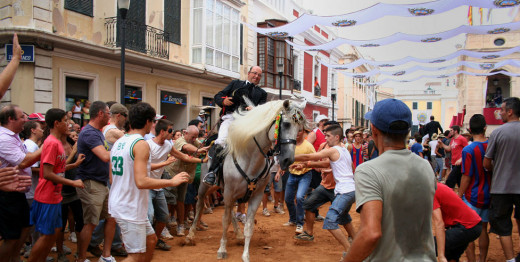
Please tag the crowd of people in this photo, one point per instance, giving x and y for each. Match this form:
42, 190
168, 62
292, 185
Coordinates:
123, 176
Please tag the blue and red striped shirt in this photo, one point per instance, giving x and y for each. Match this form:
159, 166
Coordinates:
357, 155
478, 191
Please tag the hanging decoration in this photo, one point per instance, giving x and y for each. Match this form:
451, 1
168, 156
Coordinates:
442, 76
380, 10
454, 55
431, 38
407, 71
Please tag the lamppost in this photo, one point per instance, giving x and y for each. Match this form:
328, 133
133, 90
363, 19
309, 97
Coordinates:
333, 98
124, 5
280, 75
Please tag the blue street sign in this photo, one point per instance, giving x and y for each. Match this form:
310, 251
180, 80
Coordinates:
27, 52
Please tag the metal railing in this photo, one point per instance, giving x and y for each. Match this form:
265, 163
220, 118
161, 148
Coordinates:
139, 37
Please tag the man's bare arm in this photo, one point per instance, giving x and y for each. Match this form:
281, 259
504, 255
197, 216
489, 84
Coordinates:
6, 77
101, 153
30, 159
142, 181
113, 135
311, 137
369, 231
440, 234
488, 163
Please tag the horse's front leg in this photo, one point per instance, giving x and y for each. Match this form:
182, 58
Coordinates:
254, 202
226, 219
203, 189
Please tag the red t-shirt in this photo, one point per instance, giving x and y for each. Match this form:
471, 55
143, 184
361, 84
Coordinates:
320, 139
457, 144
454, 210
52, 153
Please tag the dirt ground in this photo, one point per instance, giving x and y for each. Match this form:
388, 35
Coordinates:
271, 242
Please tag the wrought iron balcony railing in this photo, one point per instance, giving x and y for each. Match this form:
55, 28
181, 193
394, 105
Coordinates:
139, 37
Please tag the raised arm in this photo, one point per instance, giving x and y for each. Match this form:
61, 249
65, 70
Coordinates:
6, 77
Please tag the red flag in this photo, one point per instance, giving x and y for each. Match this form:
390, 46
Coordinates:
470, 15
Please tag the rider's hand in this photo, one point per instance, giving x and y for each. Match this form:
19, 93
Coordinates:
249, 108
227, 101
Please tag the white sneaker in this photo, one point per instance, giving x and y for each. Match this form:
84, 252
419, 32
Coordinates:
299, 229
106, 259
73, 237
289, 224
279, 210
266, 213
165, 234
180, 230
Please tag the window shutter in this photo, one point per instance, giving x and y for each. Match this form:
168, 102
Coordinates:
85, 7
172, 20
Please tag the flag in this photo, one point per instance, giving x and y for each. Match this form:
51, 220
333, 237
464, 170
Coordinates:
480, 10
470, 15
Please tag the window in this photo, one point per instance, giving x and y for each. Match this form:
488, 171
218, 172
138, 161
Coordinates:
429, 105
274, 56
216, 35
172, 20
80, 6
414, 105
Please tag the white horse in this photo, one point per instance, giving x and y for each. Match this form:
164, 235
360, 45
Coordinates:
246, 166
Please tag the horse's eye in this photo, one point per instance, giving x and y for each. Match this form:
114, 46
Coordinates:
286, 125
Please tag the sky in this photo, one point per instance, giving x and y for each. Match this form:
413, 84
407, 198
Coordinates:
389, 25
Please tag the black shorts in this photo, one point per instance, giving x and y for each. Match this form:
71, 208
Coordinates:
77, 213
14, 214
457, 239
316, 179
318, 198
500, 212
454, 176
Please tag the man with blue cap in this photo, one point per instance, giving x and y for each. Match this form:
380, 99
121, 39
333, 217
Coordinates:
394, 193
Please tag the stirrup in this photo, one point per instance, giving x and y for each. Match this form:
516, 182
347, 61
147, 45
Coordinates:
209, 179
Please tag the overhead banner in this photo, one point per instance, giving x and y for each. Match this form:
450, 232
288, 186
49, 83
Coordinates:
478, 66
431, 76
431, 38
375, 12
437, 60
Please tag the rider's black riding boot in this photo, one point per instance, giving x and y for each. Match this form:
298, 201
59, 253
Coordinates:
211, 178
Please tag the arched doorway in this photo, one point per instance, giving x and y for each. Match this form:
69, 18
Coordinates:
498, 88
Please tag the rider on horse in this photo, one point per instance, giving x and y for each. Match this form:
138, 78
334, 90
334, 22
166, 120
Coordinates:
231, 99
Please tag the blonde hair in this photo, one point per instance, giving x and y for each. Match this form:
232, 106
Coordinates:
245, 127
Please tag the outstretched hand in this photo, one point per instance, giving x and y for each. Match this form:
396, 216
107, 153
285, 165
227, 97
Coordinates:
180, 178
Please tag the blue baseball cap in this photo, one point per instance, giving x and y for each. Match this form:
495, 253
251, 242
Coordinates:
388, 116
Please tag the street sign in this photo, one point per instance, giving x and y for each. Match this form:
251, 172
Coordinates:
27, 52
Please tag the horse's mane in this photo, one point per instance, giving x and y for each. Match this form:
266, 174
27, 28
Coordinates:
252, 123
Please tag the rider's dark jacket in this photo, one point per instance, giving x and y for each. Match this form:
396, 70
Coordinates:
237, 89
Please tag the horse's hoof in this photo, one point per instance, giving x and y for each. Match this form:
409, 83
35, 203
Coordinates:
221, 255
245, 258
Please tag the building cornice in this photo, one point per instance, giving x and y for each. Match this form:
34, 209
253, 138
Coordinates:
109, 56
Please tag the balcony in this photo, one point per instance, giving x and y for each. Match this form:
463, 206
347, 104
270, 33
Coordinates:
139, 37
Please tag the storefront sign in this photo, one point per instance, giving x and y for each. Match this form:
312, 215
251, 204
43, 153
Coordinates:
133, 94
173, 98
27, 52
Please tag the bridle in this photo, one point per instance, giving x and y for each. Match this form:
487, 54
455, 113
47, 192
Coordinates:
279, 141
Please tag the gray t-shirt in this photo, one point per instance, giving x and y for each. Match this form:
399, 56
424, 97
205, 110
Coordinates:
503, 147
405, 183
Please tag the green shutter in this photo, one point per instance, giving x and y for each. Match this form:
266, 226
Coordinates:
85, 7
172, 20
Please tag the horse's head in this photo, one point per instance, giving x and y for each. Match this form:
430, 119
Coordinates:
292, 120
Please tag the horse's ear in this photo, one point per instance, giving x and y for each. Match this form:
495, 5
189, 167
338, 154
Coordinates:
286, 104
303, 104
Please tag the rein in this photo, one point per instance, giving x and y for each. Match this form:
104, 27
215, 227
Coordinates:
251, 183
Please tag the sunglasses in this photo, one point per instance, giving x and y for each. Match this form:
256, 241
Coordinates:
124, 114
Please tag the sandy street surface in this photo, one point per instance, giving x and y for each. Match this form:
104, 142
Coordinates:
271, 242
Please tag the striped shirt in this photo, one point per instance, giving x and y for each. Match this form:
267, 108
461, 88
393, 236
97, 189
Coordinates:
478, 191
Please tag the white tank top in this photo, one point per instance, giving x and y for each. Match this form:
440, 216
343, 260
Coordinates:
342, 171
125, 200
76, 108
